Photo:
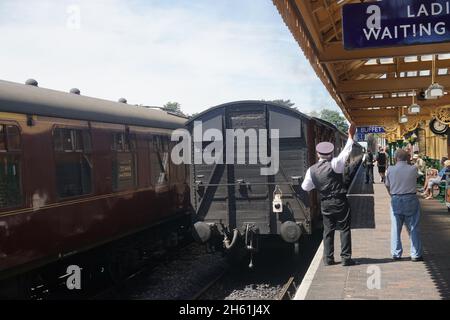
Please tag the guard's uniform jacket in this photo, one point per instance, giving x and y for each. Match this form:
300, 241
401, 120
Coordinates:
330, 185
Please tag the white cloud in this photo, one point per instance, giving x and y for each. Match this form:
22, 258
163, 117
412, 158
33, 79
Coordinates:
195, 54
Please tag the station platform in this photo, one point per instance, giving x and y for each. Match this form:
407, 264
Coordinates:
376, 276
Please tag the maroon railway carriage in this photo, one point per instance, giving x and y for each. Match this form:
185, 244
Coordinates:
77, 172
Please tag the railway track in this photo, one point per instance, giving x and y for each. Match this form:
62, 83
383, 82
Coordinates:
191, 273
97, 283
276, 276
209, 285
110, 292
180, 276
287, 292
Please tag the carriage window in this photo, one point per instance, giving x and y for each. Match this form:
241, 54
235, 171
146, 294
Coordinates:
289, 126
124, 161
71, 140
10, 157
159, 160
73, 162
9, 138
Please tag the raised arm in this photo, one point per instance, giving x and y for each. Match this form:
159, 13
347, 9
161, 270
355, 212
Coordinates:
338, 163
308, 184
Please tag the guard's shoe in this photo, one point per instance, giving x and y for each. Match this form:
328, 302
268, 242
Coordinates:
396, 258
329, 262
418, 259
348, 262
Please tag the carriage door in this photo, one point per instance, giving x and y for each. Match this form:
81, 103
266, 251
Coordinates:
249, 199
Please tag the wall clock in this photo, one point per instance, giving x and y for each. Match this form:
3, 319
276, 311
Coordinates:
438, 127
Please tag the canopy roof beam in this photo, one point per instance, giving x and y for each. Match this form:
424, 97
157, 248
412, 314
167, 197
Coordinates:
335, 52
355, 104
397, 68
389, 85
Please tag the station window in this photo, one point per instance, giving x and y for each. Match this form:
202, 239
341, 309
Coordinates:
124, 161
159, 160
73, 162
10, 159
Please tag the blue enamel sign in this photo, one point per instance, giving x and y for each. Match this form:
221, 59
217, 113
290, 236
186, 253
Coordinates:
370, 130
390, 23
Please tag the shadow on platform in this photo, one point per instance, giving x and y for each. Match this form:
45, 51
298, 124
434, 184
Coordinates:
436, 242
371, 261
362, 202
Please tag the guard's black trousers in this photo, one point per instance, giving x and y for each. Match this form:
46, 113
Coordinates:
342, 222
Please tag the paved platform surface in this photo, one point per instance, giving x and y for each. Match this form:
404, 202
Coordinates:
377, 276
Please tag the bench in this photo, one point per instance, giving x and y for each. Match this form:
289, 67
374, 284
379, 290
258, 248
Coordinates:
440, 191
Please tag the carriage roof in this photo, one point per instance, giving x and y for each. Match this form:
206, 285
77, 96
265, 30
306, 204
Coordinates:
32, 100
248, 103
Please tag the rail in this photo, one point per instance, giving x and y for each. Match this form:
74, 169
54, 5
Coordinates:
289, 289
209, 285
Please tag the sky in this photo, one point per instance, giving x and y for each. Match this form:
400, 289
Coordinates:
200, 53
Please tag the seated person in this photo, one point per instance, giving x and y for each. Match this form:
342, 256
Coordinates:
432, 173
436, 180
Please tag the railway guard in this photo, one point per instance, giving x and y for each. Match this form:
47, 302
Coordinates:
326, 176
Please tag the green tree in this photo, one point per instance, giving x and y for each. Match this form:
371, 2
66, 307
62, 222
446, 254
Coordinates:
173, 107
335, 118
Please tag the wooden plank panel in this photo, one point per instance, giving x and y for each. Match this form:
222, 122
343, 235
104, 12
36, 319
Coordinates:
335, 52
389, 85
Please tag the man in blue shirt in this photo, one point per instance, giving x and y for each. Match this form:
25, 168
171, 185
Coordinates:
401, 182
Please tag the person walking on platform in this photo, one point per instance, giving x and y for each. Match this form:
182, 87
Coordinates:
327, 177
368, 163
382, 162
401, 182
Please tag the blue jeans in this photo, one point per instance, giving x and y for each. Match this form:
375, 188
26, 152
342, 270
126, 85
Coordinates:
405, 210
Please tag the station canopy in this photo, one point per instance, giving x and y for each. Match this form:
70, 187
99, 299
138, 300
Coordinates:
371, 86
